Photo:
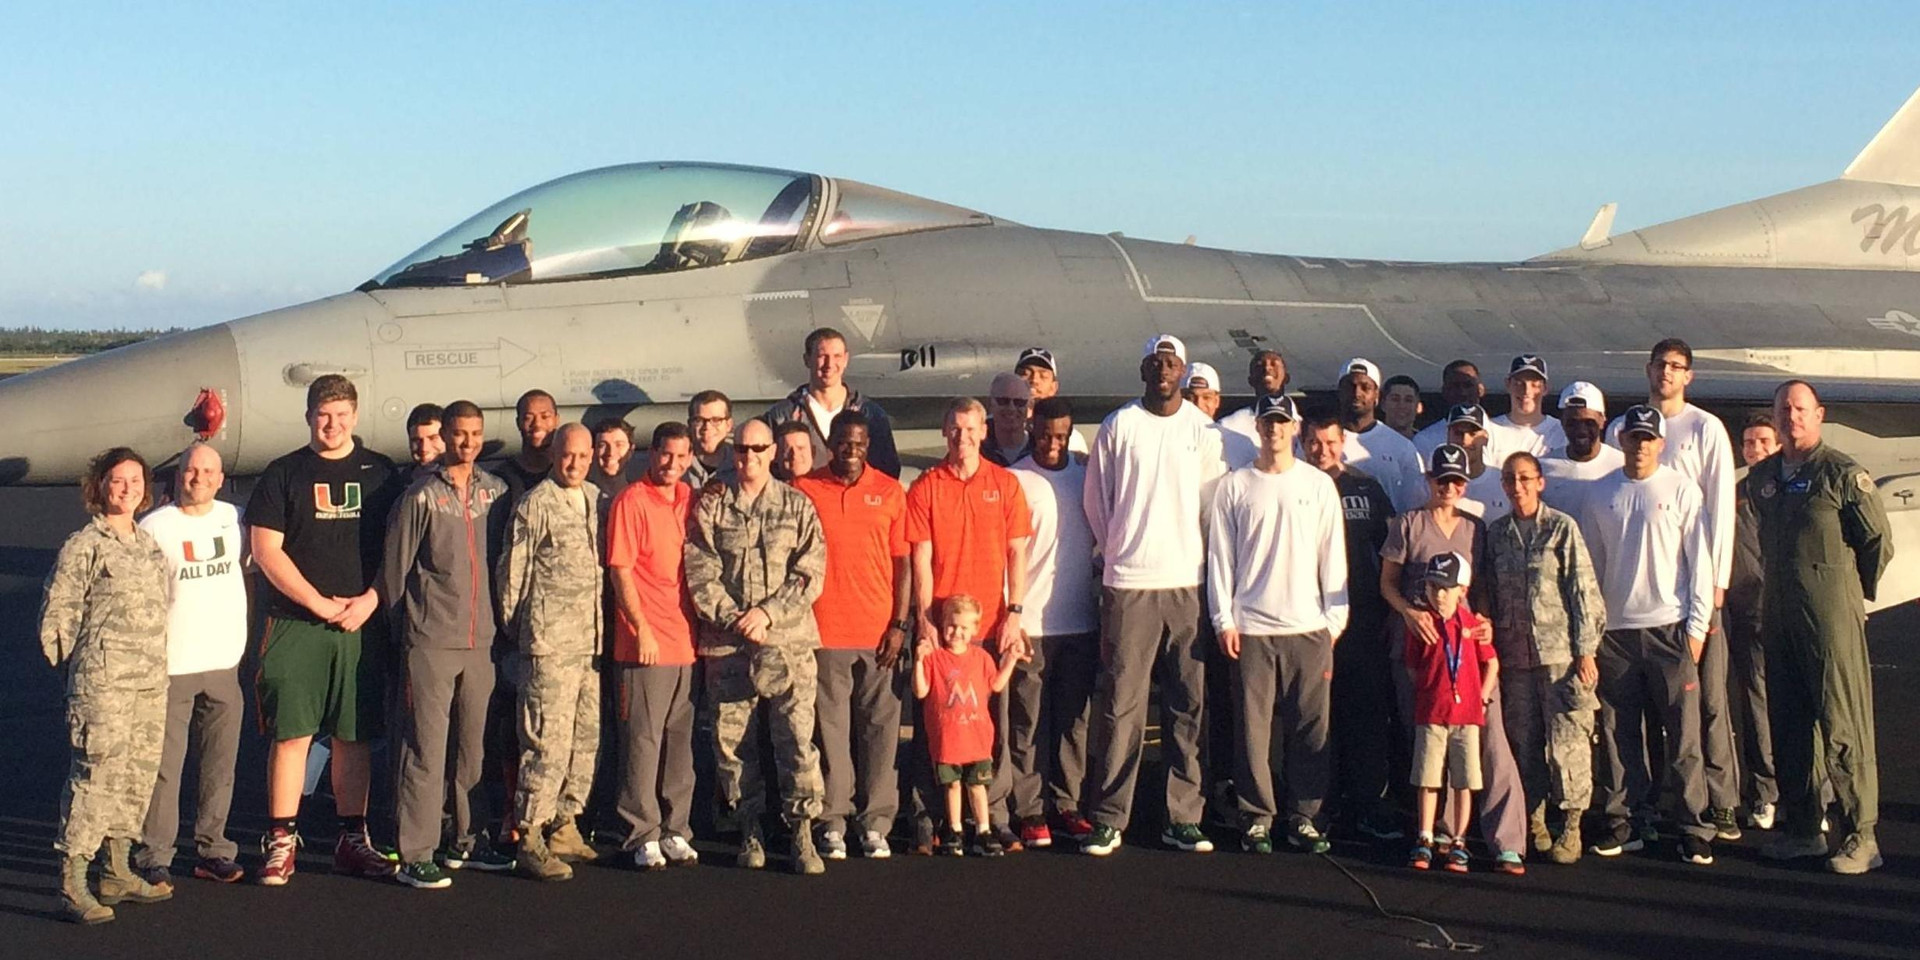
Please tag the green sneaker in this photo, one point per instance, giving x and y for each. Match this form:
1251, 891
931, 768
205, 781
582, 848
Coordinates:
423, 875
1102, 841
1305, 837
1256, 840
482, 857
1188, 837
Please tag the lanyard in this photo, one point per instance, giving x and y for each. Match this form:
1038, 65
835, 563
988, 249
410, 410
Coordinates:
1452, 652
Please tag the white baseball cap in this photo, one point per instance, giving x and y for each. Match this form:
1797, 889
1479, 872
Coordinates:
1359, 365
1581, 394
1166, 342
1208, 378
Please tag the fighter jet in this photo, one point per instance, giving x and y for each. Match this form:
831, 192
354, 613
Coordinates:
629, 288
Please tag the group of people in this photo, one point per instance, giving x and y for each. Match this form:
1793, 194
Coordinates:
1353, 627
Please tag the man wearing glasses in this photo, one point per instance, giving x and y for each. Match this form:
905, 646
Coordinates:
1009, 404
710, 419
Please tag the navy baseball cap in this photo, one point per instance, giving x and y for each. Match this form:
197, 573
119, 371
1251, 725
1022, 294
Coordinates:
1449, 570
1528, 363
1276, 406
1039, 355
1468, 413
1643, 419
1449, 460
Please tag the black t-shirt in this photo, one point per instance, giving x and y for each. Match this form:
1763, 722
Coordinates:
334, 516
1365, 504
519, 481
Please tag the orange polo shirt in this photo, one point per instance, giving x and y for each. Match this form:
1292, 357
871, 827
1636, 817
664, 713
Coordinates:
646, 534
969, 522
865, 526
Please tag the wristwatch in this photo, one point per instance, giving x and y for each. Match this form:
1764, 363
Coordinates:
1016, 608
904, 626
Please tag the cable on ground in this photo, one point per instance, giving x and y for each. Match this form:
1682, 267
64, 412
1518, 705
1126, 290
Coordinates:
1446, 941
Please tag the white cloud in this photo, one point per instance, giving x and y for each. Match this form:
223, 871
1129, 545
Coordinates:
151, 280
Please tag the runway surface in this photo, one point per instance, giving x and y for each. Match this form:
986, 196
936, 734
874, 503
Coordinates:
1142, 902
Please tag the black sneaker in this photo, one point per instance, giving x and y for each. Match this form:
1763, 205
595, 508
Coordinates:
1725, 826
986, 843
423, 875
952, 844
1619, 839
1380, 826
1695, 850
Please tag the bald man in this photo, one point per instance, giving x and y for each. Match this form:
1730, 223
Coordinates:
1009, 405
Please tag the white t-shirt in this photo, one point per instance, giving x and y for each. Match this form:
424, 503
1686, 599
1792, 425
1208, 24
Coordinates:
1277, 553
1433, 435
1698, 447
1650, 550
1568, 481
1239, 438
1149, 480
207, 619
1488, 498
1063, 586
822, 414
1391, 459
1546, 435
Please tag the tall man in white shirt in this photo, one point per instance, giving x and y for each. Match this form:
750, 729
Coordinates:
1525, 425
1652, 552
1699, 448
1570, 470
1277, 589
1049, 696
206, 635
1153, 468
1372, 445
1267, 376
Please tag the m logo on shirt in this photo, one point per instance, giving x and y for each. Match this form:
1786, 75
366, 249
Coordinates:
324, 507
963, 701
193, 556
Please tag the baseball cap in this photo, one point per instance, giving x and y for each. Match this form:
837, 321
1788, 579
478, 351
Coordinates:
1449, 460
1039, 355
1449, 570
1276, 406
1528, 363
1359, 365
1641, 418
1583, 395
1467, 413
1202, 375
1166, 342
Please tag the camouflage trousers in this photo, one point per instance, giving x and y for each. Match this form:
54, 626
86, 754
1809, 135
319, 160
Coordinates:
559, 721
116, 738
1549, 721
786, 679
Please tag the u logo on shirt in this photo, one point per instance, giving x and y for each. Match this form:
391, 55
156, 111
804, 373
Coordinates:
193, 556
991, 496
873, 500
325, 509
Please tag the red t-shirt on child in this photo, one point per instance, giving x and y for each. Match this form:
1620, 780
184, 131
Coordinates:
1441, 695
958, 708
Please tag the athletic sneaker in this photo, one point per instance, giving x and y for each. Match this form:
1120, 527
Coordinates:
1457, 858
1188, 837
1510, 863
1857, 855
219, 870
1035, 833
952, 844
1101, 841
1076, 827
1695, 850
424, 875
922, 838
679, 852
1619, 839
1761, 817
1379, 826
354, 855
986, 843
1256, 839
279, 848
1725, 827
1303, 836
833, 845
649, 857
1792, 847
482, 857
1421, 856
875, 846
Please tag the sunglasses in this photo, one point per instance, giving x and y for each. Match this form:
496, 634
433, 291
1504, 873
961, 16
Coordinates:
1450, 481
742, 449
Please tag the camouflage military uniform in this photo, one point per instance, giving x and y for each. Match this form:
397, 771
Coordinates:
550, 583
768, 553
1547, 611
105, 617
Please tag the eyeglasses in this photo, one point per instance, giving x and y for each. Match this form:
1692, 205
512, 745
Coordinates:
742, 449
702, 422
1516, 479
1677, 366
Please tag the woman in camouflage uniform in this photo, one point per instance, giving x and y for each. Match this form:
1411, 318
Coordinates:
105, 617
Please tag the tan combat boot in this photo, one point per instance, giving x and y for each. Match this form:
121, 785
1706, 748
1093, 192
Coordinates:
806, 860
1567, 848
121, 882
537, 861
76, 901
1537, 829
566, 842
753, 849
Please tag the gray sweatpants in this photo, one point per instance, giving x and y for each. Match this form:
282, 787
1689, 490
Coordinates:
1747, 686
857, 725
1017, 714
1717, 749
1652, 667
445, 698
1073, 669
1144, 633
204, 708
656, 753
1282, 689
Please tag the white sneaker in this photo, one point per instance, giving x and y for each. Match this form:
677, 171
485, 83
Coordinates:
877, 847
679, 852
1761, 817
649, 857
833, 845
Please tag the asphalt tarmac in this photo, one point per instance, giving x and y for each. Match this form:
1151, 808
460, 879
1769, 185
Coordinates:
1144, 901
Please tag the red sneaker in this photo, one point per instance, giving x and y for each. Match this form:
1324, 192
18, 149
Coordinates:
354, 855
279, 847
1034, 832
1076, 827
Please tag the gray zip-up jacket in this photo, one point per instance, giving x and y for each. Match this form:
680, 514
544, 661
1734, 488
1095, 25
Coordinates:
437, 576
1547, 607
881, 453
550, 574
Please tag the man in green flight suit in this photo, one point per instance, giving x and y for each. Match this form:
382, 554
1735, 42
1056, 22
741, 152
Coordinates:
1824, 544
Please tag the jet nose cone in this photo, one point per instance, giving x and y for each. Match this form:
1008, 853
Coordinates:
150, 396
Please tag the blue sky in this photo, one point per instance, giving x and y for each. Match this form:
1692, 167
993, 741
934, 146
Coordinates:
180, 164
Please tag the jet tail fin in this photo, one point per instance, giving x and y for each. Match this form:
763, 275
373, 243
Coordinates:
1893, 155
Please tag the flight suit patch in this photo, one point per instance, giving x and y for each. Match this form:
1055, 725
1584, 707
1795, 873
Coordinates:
1864, 482
1769, 490
1800, 486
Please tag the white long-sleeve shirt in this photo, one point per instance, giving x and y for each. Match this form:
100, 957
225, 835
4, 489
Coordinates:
1569, 481
1698, 447
1239, 437
1062, 587
1537, 439
1391, 459
1651, 550
1148, 480
1277, 553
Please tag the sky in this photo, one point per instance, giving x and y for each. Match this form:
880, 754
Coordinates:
181, 164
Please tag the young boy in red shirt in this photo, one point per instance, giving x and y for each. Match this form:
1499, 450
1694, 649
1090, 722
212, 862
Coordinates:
1453, 681
956, 681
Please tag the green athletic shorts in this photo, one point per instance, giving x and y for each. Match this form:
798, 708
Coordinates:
977, 773
315, 679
